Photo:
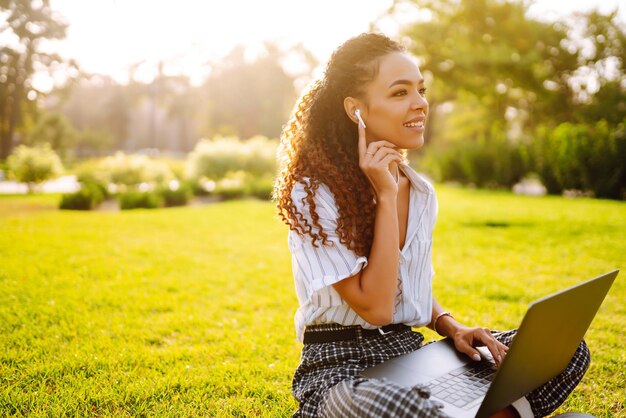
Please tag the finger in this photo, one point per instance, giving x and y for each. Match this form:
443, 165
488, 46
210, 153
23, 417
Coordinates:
373, 146
362, 142
382, 153
388, 159
464, 347
492, 344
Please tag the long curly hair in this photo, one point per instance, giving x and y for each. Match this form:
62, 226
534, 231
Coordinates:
321, 142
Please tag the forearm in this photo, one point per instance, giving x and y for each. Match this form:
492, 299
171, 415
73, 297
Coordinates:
379, 279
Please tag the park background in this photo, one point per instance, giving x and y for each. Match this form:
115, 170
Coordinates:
184, 305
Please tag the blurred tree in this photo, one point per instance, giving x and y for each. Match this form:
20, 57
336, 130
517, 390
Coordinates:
248, 98
91, 142
54, 129
27, 24
604, 57
99, 108
519, 70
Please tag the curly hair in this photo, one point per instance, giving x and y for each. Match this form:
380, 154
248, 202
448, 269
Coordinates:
320, 142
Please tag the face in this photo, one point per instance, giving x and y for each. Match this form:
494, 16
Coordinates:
395, 107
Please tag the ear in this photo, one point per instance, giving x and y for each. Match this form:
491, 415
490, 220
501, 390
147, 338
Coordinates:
350, 105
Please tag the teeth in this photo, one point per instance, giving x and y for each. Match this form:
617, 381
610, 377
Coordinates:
419, 124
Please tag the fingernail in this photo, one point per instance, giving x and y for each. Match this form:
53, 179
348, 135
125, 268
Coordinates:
476, 357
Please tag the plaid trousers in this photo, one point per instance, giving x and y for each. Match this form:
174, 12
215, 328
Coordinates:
327, 381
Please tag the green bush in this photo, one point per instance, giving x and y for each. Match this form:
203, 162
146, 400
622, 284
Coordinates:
33, 165
178, 196
581, 157
201, 186
484, 163
233, 185
261, 188
132, 170
215, 158
137, 200
88, 197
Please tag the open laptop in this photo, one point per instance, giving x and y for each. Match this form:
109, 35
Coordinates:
545, 342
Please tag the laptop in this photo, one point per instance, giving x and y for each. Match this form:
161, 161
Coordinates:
545, 342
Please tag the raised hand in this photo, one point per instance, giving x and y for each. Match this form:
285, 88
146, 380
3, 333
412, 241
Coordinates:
374, 161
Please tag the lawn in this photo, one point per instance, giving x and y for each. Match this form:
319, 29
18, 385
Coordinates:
189, 311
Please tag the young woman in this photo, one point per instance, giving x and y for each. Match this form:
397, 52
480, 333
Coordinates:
361, 223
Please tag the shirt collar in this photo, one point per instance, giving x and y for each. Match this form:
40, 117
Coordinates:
415, 179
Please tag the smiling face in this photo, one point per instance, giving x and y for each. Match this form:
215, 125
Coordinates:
394, 106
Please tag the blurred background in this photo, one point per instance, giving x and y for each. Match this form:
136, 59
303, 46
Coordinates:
140, 95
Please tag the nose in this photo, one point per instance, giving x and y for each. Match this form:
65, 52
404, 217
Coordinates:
419, 102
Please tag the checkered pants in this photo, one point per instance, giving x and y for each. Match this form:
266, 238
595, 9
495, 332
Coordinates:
327, 381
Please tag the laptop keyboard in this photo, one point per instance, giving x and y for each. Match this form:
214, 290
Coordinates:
462, 386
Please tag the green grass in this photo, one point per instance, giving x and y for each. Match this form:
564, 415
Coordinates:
189, 311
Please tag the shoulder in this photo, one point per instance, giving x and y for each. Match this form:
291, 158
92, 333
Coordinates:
323, 197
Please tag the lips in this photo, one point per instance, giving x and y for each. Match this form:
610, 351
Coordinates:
417, 122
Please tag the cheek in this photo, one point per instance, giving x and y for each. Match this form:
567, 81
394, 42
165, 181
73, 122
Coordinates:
384, 120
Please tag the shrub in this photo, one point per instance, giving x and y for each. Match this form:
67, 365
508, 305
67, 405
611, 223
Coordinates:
581, 157
261, 188
201, 186
232, 186
33, 165
132, 170
88, 197
484, 163
136, 200
215, 158
176, 194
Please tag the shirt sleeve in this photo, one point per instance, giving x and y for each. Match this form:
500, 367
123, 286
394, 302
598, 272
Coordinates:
328, 263
522, 406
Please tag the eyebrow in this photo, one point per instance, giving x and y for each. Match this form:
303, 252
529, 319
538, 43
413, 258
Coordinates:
395, 83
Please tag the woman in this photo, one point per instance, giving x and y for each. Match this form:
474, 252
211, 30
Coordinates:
361, 223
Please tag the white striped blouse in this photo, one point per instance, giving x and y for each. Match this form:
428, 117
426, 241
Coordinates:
316, 269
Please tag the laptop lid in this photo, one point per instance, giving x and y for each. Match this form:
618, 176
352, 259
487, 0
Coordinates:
546, 341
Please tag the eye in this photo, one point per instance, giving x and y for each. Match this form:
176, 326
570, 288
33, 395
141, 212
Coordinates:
400, 93
423, 91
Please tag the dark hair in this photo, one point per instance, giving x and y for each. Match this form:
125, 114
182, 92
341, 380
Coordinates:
320, 142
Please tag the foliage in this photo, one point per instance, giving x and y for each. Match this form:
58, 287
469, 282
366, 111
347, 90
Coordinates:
26, 25
140, 200
238, 184
248, 98
132, 170
473, 57
260, 187
176, 194
33, 165
54, 129
485, 163
215, 158
91, 142
195, 316
232, 186
581, 157
88, 197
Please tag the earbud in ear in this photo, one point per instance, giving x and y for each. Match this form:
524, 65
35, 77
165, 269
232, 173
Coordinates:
357, 113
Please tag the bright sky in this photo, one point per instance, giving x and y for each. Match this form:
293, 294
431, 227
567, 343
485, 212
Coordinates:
108, 36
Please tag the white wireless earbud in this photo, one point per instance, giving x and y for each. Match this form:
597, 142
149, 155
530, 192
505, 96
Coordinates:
357, 113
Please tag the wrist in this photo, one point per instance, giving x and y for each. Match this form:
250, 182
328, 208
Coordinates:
386, 198
447, 326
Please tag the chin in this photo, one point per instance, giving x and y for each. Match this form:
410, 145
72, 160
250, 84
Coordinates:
413, 143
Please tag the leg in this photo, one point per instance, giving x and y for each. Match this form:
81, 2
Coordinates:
549, 396
361, 397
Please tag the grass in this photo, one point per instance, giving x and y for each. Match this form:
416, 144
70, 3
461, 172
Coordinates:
189, 311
